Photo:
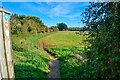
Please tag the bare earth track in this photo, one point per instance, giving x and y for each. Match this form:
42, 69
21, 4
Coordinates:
53, 63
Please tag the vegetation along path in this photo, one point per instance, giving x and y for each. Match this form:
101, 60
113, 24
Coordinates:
53, 63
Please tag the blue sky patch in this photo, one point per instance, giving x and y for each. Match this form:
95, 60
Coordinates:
50, 13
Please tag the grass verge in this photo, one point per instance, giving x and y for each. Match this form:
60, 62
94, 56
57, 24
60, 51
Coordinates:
29, 61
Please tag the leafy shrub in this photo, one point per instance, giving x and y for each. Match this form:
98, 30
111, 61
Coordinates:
103, 20
21, 24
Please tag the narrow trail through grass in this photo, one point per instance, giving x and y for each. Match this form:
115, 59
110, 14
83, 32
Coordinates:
53, 64
65, 52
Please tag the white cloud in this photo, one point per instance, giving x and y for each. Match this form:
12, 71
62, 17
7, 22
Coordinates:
60, 10
53, 10
66, 10
73, 16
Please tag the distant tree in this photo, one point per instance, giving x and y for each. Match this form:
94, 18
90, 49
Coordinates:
84, 28
78, 29
21, 24
54, 28
74, 28
62, 26
47, 29
21, 17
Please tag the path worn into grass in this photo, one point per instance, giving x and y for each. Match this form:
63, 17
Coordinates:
53, 63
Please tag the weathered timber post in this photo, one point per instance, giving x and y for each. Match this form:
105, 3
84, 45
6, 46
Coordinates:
6, 63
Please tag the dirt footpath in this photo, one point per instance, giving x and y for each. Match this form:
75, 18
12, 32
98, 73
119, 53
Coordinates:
53, 63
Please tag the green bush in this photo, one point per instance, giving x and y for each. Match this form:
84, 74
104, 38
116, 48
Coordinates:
21, 24
103, 21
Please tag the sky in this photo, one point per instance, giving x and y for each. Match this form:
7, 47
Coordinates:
50, 13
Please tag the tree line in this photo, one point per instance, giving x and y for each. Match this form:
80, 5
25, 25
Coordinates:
21, 24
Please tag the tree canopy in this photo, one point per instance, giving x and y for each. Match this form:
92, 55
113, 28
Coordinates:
103, 20
21, 24
62, 26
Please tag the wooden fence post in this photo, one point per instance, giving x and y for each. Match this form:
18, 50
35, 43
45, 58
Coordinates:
6, 63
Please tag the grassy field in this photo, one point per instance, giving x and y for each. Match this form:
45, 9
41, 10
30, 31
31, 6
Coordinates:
69, 50
65, 39
29, 61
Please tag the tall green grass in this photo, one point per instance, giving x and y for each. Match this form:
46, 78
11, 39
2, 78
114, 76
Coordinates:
29, 60
70, 60
69, 49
